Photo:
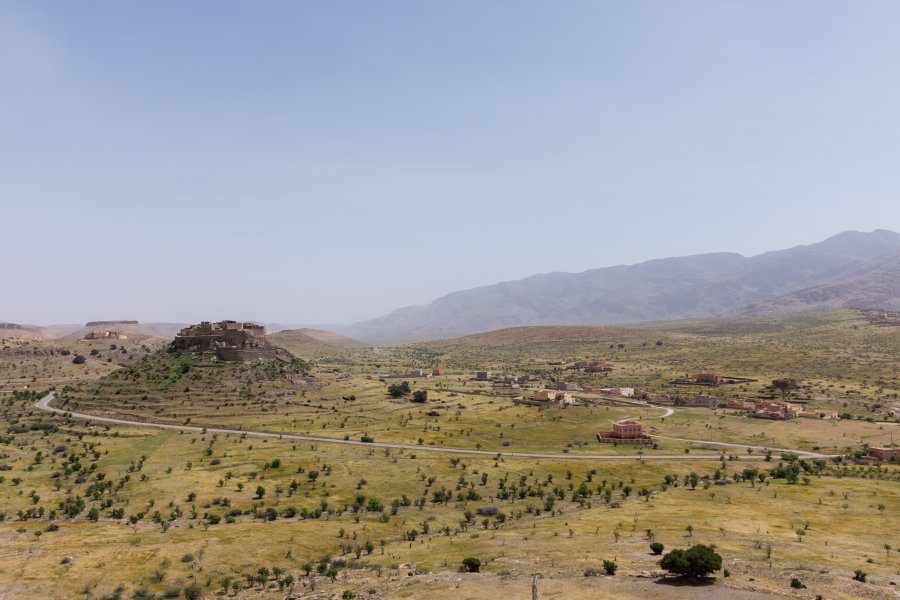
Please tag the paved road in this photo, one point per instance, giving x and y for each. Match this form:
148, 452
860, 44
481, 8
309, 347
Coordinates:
44, 404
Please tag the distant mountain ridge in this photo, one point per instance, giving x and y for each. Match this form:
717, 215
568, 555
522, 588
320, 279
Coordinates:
849, 269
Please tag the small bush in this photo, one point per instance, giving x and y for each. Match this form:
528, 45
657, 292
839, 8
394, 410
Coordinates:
860, 575
797, 584
471, 565
192, 592
657, 548
143, 594
610, 567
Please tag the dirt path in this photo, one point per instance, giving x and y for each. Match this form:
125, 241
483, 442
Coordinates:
44, 404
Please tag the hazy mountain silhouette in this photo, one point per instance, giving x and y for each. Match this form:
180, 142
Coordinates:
849, 269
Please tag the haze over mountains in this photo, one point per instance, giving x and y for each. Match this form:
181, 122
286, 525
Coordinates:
851, 269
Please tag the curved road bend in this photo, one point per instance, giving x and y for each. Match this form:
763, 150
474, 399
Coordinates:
44, 404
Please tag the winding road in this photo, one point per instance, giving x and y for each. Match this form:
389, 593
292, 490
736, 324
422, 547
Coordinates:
44, 404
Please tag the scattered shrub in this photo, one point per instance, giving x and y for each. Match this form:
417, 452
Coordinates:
610, 567
471, 565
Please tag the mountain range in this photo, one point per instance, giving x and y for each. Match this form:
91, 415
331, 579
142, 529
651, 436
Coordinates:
849, 270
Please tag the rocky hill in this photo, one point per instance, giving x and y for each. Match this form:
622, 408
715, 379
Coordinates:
126, 330
829, 273
876, 286
306, 342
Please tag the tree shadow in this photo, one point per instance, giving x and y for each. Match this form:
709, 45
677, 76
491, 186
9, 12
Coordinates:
681, 581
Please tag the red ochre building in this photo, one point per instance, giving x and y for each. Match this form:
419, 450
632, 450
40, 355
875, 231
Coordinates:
625, 432
886, 454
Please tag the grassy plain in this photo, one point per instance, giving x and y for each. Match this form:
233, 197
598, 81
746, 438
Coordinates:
165, 510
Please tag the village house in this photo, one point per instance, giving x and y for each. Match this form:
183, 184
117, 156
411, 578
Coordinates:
744, 405
483, 375
567, 387
886, 454
593, 366
819, 414
438, 372
599, 366
705, 401
626, 392
628, 431
663, 399
709, 377
779, 411
552, 396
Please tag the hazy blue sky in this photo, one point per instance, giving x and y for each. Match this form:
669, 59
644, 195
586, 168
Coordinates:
329, 161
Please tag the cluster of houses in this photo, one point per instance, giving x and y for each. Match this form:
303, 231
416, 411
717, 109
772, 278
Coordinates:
879, 316
778, 410
628, 431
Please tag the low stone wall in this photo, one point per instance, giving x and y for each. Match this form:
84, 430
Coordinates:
642, 441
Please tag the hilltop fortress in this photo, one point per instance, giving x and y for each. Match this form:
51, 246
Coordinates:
229, 340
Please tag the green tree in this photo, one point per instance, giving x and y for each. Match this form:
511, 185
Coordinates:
260, 491
396, 390
696, 562
420, 396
